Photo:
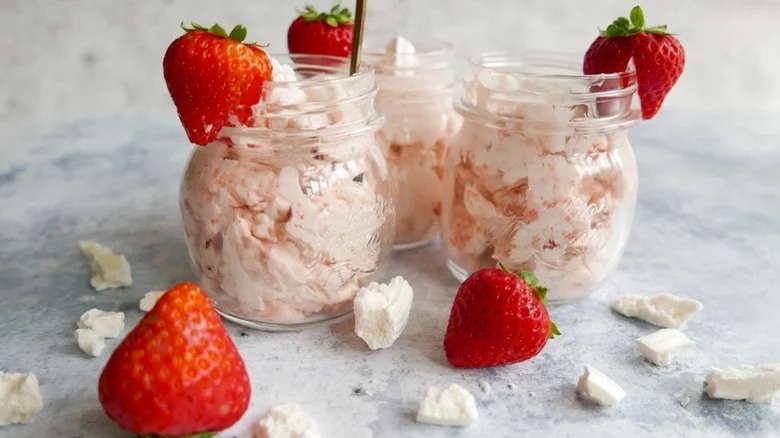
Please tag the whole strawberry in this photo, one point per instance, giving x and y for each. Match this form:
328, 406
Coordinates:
498, 318
213, 77
322, 33
659, 57
178, 372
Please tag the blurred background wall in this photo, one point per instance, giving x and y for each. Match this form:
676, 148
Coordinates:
74, 58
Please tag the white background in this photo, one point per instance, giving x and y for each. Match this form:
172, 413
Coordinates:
77, 58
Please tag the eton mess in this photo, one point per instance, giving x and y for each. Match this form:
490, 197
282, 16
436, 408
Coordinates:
536, 179
415, 96
288, 212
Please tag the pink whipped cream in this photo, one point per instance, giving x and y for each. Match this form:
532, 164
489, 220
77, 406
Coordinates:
415, 98
283, 230
533, 194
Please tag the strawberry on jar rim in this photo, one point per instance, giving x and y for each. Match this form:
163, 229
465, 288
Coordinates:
659, 57
322, 33
498, 318
214, 78
178, 373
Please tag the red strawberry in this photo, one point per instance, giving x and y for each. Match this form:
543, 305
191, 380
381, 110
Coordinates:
659, 57
178, 372
212, 76
322, 33
498, 318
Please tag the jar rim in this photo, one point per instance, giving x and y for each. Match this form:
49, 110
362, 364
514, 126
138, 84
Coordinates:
518, 64
332, 133
329, 63
504, 87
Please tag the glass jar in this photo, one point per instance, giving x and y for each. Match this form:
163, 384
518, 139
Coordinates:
541, 176
415, 96
286, 219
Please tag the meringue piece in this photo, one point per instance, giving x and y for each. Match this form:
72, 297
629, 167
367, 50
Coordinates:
382, 311
150, 299
597, 387
662, 346
286, 421
109, 270
754, 384
105, 324
399, 49
663, 310
450, 406
20, 398
282, 72
90, 342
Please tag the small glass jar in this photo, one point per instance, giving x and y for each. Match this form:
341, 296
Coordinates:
286, 219
415, 97
541, 176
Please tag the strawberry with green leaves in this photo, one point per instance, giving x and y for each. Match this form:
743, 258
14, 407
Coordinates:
498, 318
178, 373
322, 33
214, 78
659, 57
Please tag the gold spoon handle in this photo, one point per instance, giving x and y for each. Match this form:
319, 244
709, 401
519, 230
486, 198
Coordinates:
357, 37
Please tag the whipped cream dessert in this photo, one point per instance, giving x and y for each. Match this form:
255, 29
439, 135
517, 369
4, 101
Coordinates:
415, 96
287, 219
536, 184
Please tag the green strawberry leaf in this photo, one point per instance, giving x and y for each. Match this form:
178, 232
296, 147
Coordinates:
238, 33
636, 24
637, 17
216, 29
335, 17
622, 23
554, 330
531, 279
657, 30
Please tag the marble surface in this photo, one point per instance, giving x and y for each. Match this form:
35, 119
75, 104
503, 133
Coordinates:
707, 227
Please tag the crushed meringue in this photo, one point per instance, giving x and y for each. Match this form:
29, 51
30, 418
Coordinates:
415, 96
664, 310
286, 230
109, 270
150, 299
523, 187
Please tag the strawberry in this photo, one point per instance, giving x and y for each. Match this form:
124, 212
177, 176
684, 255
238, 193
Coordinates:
326, 33
658, 56
498, 318
178, 372
212, 76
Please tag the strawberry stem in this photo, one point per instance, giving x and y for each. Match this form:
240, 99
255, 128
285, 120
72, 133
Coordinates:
623, 26
238, 33
334, 18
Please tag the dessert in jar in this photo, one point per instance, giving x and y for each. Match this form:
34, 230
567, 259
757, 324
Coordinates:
288, 215
415, 82
541, 176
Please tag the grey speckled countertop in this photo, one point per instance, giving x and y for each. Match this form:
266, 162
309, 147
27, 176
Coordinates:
707, 226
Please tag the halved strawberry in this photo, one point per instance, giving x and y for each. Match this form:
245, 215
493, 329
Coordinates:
658, 57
